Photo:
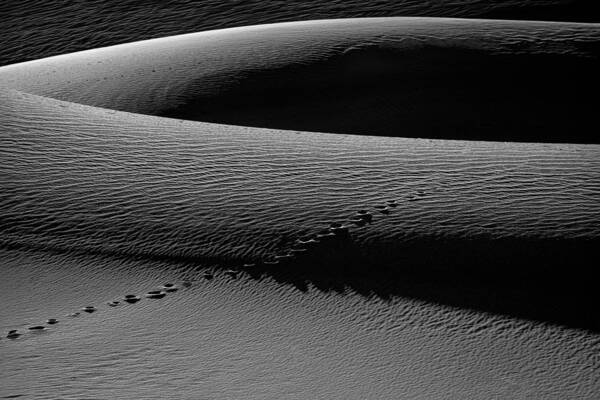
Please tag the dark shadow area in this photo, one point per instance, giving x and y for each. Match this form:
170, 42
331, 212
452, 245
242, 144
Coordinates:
547, 280
424, 92
552, 281
32, 29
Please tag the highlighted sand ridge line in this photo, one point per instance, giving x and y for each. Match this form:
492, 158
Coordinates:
95, 161
412, 77
302, 247
374, 208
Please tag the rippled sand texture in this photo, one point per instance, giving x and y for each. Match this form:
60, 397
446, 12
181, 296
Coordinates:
98, 203
410, 77
34, 29
226, 338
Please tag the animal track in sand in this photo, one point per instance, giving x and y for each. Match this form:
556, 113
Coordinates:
129, 298
37, 328
169, 287
155, 294
305, 246
13, 334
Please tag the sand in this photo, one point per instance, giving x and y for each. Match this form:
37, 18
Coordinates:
99, 203
33, 29
256, 339
410, 77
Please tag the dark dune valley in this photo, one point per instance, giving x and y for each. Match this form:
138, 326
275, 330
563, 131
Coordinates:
299, 200
35, 29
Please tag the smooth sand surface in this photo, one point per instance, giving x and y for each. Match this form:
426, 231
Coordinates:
99, 203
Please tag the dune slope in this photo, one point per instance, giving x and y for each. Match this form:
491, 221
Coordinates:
34, 29
83, 178
422, 268
242, 338
409, 77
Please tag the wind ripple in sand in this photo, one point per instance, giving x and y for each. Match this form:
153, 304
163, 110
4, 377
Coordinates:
185, 194
83, 178
34, 29
409, 77
222, 337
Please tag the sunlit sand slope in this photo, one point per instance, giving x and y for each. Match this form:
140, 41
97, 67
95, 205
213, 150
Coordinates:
216, 190
33, 29
82, 178
226, 338
309, 265
90, 179
410, 77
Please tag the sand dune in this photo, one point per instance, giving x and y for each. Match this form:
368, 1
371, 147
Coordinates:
33, 29
409, 77
106, 196
242, 338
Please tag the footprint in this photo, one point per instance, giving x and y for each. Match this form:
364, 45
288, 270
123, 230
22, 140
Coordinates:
131, 298
37, 328
155, 294
338, 229
365, 215
169, 287
382, 209
325, 234
13, 334
300, 246
361, 218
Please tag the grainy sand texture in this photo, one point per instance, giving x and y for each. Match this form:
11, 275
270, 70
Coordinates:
346, 208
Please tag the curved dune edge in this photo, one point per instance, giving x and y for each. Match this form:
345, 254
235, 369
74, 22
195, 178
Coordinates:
74, 28
416, 77
250, 194
138, 185
157, 197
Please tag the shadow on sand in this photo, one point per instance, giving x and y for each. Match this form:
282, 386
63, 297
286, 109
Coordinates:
519, 93
543, 280
546, 280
